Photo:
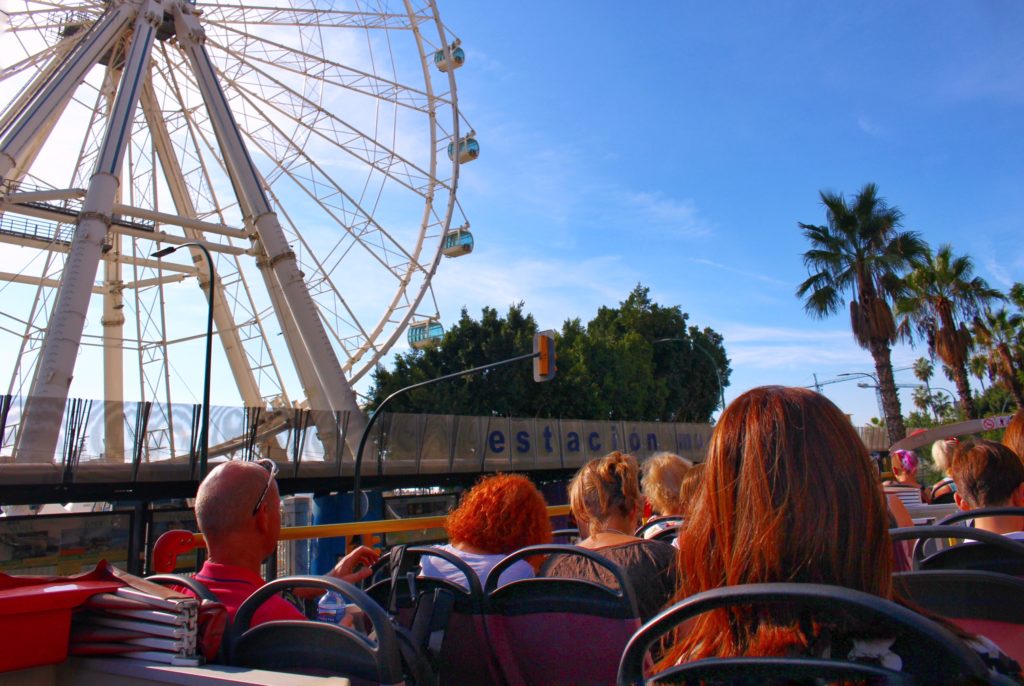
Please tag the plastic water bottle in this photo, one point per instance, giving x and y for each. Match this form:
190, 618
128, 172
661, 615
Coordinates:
331, 608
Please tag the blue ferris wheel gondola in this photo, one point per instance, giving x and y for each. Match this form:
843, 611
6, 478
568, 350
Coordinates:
457, 242
425, 334
469, 149
442, 62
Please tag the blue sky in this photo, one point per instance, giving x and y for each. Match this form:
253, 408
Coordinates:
678, 144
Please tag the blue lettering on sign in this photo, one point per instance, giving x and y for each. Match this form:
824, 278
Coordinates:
685, 442
496, 442
592, 441
573, 444
522, 442
652, 441
634, 441
547, 439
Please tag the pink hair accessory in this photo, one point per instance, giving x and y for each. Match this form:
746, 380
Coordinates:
907, 459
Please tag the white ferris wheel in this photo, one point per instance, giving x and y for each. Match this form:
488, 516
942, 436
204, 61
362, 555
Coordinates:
310, 149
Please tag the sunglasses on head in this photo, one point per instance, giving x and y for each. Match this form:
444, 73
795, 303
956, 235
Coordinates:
271, 468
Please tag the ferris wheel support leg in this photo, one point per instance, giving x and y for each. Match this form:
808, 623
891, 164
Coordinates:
308, 336
44, 408
61, 83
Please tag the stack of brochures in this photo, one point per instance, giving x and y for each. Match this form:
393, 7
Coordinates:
134, 624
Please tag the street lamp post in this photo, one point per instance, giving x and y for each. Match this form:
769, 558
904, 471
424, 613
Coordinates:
204, 430
876, 386
714, 365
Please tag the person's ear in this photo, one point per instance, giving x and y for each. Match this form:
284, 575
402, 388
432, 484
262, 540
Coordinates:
960, 502
1017, 499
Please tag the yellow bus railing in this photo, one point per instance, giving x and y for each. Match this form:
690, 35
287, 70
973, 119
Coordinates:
381, 526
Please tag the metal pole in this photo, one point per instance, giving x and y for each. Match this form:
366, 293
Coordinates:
204, 431
356, 479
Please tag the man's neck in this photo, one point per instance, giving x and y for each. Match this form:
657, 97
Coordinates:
236, 555
1000, 525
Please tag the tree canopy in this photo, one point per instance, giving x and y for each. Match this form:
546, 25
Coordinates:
639, 361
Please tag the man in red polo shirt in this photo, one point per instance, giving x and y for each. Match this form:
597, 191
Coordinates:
238, 510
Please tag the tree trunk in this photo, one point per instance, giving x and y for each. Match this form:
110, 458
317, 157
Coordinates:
1009, 376
963, 389
887, 387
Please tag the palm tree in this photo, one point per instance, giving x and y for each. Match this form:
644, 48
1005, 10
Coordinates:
923, 370
942, 294
978, 366
861, 255
999, 333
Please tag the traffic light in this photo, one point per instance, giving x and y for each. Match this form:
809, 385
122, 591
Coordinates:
544, 367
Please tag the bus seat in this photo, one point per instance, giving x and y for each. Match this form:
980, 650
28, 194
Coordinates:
991, 553
309, 647
929, 651
556, 630
984, 603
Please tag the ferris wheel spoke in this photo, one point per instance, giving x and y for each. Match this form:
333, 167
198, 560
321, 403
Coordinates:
354, 142
330, 72
321, 187
308, 17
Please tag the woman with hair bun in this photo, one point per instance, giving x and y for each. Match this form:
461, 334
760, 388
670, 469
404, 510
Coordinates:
942, 454
904, 483
604, 497
499, 515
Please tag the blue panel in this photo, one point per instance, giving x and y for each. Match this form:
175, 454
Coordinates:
335, 509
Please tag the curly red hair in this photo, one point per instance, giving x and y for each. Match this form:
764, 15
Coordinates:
500, 514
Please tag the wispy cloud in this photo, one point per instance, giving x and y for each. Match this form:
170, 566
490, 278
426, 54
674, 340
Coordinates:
788, 348
553, 289
988, 77
678, 217
869, 126
741, 272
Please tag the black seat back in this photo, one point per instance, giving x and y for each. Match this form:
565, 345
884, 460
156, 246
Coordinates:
984, 603
991, 552
456, 644
309, 647
930, 652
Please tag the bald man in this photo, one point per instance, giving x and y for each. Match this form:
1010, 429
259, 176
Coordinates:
238, 509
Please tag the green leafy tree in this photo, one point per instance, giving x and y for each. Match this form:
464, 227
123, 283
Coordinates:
860, 255
999, 334
687, 365
609, 369
508, 390
942, 295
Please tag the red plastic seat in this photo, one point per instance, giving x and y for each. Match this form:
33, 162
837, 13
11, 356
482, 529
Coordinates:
554, 630
984, 603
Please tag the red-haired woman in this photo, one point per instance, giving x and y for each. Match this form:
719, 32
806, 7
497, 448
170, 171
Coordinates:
1013, 438
498, 516
605, 500
789, 495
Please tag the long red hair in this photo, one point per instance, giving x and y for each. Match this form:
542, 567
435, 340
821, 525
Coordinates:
500, 514
1014, 436
789, 495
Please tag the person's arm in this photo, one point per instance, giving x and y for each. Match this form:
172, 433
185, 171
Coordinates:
355, 566
939, 491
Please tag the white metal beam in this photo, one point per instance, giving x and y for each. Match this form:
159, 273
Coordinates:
44, 408
309, 337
